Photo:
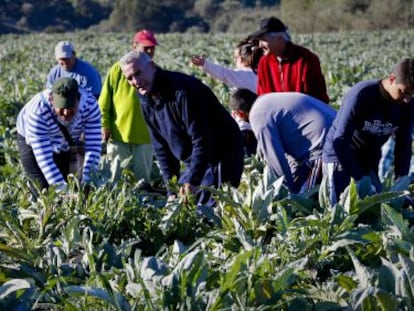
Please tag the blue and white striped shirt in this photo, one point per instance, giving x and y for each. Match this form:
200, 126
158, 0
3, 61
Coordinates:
37, 123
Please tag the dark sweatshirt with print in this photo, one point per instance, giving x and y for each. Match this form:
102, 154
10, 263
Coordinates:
366, 119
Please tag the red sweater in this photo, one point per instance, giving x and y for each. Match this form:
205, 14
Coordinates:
298, 71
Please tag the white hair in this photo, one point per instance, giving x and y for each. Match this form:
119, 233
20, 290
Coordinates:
133, 56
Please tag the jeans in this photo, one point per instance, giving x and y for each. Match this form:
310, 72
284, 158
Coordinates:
338, 179
387, 158
32, 170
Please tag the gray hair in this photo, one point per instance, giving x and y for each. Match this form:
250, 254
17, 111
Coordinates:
133, 56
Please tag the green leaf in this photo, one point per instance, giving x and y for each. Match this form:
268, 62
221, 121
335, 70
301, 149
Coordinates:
349, 198
346, 282
408, 273
392, 217
377, 199
362, 273
387, 301
388, 276
116, 300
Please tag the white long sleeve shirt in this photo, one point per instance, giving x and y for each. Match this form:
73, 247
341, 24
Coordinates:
239, 78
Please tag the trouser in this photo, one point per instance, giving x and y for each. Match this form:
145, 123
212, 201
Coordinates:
32, 169
387, 158
228, 170
307, 175
140, 159
338, 180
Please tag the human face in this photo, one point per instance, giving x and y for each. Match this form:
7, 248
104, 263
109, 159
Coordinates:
399, 91
272, 44
237, 59
140, 75
67, 63
149, 50
66, 114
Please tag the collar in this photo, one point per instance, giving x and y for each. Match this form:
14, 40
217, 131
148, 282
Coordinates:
290, 53
384, 93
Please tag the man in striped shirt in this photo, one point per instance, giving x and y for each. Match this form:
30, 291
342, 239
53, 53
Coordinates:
43, 145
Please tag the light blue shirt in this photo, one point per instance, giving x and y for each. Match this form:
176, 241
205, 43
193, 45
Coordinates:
83, 72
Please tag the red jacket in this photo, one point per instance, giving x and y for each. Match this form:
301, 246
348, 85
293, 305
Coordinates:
298, 71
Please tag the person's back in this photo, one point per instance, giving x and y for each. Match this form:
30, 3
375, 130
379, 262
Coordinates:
301, 121
290, 129
70, 66
213, 121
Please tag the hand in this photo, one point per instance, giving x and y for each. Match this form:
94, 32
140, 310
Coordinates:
187, 191
198, 60
106, 134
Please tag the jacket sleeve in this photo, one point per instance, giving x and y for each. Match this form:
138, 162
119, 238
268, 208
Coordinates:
232, 77
169, 165
314, 80
193, 108
37, 130
106, 98
342, 137
96, 83
51, 78
263, 77
92, 131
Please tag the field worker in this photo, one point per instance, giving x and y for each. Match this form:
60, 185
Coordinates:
68, 65
246, 56
370, 113
285, 66
45, 126
187, 123
123, 125
241, 101
290, 128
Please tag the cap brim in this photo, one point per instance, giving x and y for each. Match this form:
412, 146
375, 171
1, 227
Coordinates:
63, 55
147, 43
258, 34
63, 102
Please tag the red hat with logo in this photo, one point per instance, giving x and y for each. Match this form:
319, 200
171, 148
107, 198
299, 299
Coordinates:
145, 38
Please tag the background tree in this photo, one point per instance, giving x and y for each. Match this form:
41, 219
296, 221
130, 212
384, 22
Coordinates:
302, 16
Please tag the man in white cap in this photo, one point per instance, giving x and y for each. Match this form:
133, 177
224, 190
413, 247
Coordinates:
68, 65
123, 126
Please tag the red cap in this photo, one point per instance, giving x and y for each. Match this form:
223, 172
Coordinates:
145, 38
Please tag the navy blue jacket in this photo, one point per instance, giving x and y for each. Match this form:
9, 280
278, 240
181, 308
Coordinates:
365, 121
187, 123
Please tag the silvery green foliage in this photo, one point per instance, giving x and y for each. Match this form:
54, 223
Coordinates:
260, 248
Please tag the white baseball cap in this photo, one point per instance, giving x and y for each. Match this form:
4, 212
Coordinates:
64, 49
